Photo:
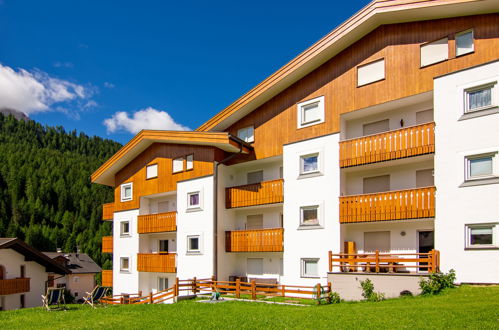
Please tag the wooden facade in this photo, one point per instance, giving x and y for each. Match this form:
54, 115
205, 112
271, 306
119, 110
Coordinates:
107, 244
258, 240
156, 262
14, 285
391, 205
107, 278
108, 211
157, 223
401, 143
266, 192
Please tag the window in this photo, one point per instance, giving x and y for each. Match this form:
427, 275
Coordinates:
124, 264
126, 192
481, 235
464, 43
371, 72
162, 283
376, 184
424, 178
194, 200
163, 245
434, 52
479, 98
254, 177
254, 266
193, 244
124, 228
309, 215
50, 281
22, 271
178, 165
76, 279
189, 162
309, 163
254, 222
152, 171
376, 127
309, 267
377, 240
310, 112
247, 134
479, 166
425, 116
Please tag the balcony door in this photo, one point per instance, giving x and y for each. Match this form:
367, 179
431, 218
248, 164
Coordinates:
376, 127
426, 243
163, 245
375, 184
2, 272
254, 177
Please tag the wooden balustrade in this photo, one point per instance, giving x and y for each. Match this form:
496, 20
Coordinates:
107, 244
258, 240
14, 285
107, 278
401, 143
156, 262
157, 223
385, 262
266, 192
390, 205
108, 211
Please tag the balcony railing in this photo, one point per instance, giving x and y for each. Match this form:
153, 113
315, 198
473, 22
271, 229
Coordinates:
107, 278
14, 285
258, 240
156, 262
401, 143
390, 205
107, 244
266, 192
108, 211
157, 223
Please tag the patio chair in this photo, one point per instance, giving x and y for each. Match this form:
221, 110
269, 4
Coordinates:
54, 299
95, 296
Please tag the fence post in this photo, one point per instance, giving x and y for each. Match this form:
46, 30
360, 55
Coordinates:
253, 290
150, 298
213, 283
194, 286
318, 292
432, 260
122, 300
238, 288
283, 290
329, 290
376, 258
330, 260
176, 287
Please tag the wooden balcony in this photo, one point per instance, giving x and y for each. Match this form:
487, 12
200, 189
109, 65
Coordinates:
390, 205
401, 143
157, 223
14, 285
107, 278
107, 244
258, 240
156, 262
266, 192
108, 211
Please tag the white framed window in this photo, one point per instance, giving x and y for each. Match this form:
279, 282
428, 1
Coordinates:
480, 97
127, 192
482, 235
152, 171
310, 267
194, 200
434, 52
178, 164
247, 134
479, 166
189, 162
310, 112
309, 215
125, 228
193, 244
371, 72
464, 42
309, 164
162, 283
124, 264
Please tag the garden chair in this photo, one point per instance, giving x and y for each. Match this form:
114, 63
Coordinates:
95, 296
54, 296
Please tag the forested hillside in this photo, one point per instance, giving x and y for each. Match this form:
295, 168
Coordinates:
46, 197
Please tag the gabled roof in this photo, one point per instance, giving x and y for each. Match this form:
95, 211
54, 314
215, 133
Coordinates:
78, 263
223, 140
376, 13
31, 254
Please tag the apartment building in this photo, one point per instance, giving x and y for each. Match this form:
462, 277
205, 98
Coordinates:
379, 139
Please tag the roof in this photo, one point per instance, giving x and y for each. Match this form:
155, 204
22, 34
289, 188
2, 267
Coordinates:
222, 140
31, 254
78, 263
376, 13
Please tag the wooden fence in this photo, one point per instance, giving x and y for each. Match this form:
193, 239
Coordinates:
258, 240
157, 223
14, 285
266, 192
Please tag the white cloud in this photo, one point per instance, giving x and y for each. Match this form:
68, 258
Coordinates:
108, 84
36, 91
68, 65
148, 118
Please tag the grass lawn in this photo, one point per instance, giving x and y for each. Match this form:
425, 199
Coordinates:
464, 307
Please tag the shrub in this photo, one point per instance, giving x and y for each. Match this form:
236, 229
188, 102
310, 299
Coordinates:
368, 291
437, 282
334, 298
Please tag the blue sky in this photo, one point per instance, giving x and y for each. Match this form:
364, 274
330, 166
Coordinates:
165, 64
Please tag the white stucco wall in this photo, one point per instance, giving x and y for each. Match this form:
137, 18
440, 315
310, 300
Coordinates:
458, 206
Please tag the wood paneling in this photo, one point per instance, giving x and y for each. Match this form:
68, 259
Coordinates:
266, 192
258, 240
275, 121
107, 244
108, 211
14, 285
401, 143
156, 263
107, 278
157, 223
390, 205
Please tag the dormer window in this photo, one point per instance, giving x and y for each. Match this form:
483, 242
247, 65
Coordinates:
247, 134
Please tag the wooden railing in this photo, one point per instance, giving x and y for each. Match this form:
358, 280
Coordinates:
156, 262
14, 285
385, 262
108, 211
107, 244
401, 143
266, 192
107, 278
258, 240
157, 223
390, 205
